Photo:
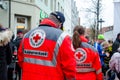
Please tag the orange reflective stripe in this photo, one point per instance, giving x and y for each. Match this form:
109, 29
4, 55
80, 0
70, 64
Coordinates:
55, 53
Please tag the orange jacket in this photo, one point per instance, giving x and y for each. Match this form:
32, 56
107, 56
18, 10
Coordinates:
45, 54
88, 63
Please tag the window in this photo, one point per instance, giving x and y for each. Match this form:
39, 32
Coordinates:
20, 20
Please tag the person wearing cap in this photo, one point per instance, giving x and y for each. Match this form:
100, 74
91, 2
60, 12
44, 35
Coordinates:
99, 48
46, 52
16, 42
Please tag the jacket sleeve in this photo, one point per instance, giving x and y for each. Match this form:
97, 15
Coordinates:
9, 53
67, 58
97, 67
20, 54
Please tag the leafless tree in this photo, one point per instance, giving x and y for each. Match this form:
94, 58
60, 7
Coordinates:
95, 9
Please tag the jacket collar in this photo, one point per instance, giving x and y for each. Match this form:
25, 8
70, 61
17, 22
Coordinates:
49, 22
83, 39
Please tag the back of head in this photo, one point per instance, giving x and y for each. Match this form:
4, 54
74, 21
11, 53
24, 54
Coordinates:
59, 17
105, 44
79, 29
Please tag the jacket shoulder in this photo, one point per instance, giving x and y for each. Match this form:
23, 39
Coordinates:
86, 45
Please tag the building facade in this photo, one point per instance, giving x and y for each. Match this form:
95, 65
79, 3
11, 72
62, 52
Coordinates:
27, 14
72, 15
116, 18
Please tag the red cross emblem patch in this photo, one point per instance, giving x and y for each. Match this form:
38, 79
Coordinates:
80, 55
37, 38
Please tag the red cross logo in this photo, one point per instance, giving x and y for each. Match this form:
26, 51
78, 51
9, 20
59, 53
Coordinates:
79, 55
36, 38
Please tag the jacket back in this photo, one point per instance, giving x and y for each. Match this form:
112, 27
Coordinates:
45, 54
88, 63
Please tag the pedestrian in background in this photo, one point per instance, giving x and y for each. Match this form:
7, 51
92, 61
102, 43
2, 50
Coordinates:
106, 50
88, 66
18, 38
116, 44
115, 62
5, 51
45, 53
20, 34
99, 48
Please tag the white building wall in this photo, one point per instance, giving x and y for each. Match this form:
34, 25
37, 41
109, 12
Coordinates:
4, 21
116, 28
71, 15
67, 12
31, 9
43, 6
75, 17
116, 0
23, 9
108, 35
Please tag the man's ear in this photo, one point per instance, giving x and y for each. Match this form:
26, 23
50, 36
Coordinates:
61, 26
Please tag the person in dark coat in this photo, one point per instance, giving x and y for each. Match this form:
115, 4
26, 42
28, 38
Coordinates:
5, 51
20, 34
18, 38
116, 44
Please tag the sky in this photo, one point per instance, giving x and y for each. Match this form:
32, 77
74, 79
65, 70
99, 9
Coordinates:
107, 12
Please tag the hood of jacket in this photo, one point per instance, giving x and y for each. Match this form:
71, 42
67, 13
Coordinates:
5, 37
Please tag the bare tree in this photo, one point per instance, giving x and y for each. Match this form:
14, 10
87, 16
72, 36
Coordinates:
95, 8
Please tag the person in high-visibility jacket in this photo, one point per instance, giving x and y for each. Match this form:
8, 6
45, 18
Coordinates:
88, 66
46, 52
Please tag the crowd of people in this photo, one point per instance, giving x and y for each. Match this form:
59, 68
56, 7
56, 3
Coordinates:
48, 53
